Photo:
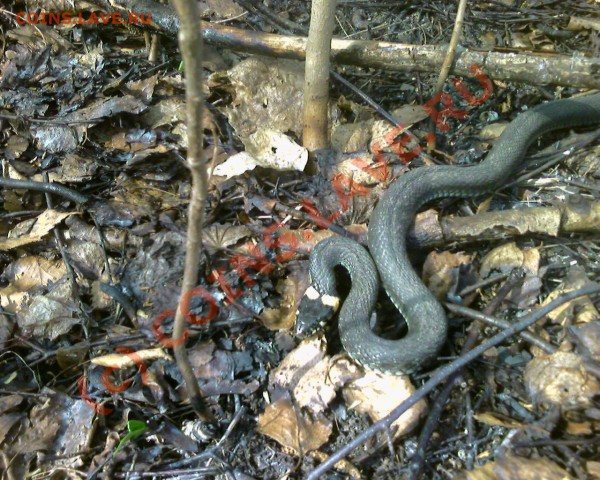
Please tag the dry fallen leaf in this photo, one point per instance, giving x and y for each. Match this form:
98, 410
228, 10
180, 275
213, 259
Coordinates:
560, 379
225, 8
508, 257
267, 148
593, 469
579, 310
304, 371
31, 231
221, 236
29, 272
48, 317
517, 468
314, 379
267, 93
291, 289
441, 271
292, 428
377, 394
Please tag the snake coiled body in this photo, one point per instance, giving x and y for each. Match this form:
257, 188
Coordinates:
393, 216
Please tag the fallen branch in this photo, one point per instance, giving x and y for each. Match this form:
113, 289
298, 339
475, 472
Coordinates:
579, 215
534, 68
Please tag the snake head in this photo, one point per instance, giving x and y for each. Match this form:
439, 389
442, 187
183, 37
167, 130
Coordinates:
314, 312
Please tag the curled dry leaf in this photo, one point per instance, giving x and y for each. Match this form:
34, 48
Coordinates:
265, 148
492, 131
217, 369
580, 23
292, 428
47, 318
362, 167
441, 271
291, 290
580, 310
560, 379
74, 169
267, 93
508, 257
385, 138
31, 231
15, 147
26, 273
60, 425
377, 394
304, 371
351, 137
314, 378
593, 469
220, 236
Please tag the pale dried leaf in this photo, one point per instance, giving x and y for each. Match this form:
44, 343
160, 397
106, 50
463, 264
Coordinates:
377, 394
268, 93
304, 371
560, 379
294, 429
220, 236
507, 257
579, 310
518, 468
43, 224
291, 290
441, 271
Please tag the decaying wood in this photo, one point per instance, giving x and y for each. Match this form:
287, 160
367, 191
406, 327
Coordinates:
534, 68
579, 215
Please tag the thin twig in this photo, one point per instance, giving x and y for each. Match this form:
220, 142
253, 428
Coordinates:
58, 236
498, 322
54, 188
447, 64
444, 372
315, 131
51, 121
190, 44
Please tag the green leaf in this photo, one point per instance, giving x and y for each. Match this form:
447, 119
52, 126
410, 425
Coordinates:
136, 428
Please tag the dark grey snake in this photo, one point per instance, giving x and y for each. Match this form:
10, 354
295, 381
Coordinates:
425, 317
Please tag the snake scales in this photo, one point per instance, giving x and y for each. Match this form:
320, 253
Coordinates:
388, 259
